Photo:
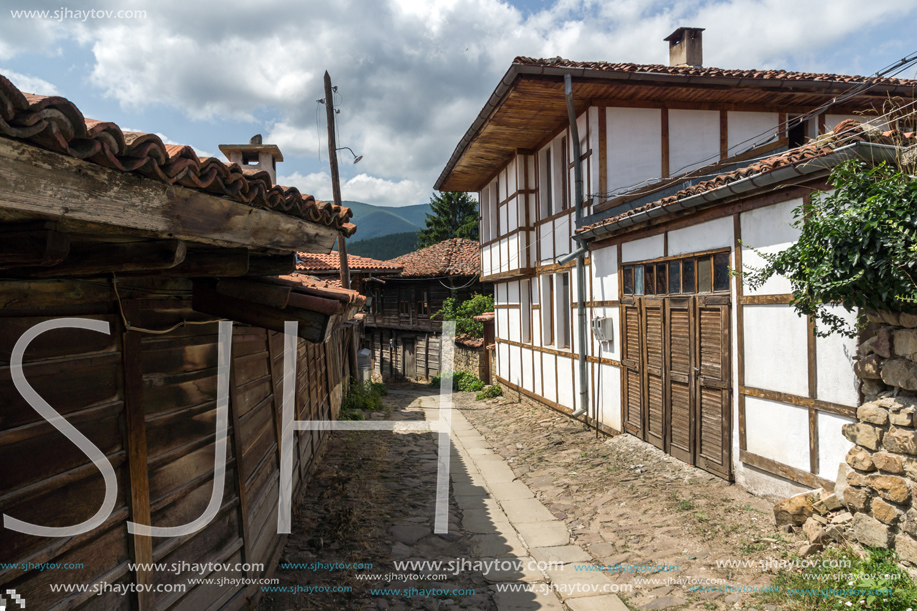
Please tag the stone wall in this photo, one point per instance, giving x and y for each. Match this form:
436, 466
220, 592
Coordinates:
471, 359
878, 482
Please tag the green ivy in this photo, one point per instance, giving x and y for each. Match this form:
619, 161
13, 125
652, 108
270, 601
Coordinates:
489, 393
463, 313
857, 247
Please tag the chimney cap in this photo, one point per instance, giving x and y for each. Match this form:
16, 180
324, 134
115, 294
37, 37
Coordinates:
273, 149
678, 34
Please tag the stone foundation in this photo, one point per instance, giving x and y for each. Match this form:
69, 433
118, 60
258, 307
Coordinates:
878, 482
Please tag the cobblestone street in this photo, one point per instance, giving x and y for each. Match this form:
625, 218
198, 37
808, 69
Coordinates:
528, 486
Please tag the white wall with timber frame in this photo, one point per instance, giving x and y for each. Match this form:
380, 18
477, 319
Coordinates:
790, 392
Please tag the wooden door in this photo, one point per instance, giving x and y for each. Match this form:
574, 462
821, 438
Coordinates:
679, 377
654, 370
714, 417
632, 359
410, 363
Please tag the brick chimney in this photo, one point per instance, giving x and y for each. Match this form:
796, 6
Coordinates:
686, 47
254, 155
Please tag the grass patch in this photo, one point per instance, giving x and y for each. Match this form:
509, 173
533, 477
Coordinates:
843, 580
462, 381
684, 505
366, 397
491, 392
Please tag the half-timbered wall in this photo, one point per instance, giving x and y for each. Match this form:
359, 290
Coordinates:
148, 402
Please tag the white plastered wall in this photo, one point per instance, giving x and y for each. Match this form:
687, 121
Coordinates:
634, 142
694, 139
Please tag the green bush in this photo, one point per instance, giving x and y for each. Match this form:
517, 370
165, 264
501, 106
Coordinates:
362, 397
462, 381
857, 247
463, 313
490, 392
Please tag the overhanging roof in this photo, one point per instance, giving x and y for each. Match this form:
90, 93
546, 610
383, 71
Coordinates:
528, 104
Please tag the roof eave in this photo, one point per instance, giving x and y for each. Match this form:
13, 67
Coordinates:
867, 151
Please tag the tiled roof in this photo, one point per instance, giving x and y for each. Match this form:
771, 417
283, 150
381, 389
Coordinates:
468, 341
309, 262
321, 290
846, 132
453, 257
56, 124
776, 75
486, 316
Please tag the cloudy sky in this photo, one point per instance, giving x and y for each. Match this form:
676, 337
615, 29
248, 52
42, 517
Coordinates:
412, 75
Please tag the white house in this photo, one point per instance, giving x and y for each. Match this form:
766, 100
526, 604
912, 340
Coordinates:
686, 169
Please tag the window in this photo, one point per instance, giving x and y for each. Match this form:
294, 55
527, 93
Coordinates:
423, 302
553, 181
704, 274
547, 310
377, 301
525, 310
404, 302
563, 311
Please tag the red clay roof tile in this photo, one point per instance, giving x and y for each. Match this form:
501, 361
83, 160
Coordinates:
453, 257
310, 262
55, 123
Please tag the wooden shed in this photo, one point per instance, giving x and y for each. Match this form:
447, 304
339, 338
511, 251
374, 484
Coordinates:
158, 245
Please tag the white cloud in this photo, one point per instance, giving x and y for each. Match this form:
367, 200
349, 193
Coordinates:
360, 188
29, 83
412, 75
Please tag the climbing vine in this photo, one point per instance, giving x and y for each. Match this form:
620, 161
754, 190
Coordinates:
857, 247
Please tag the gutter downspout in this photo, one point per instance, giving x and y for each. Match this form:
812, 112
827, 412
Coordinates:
580, 267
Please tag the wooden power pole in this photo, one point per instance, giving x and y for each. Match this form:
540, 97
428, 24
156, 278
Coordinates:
335, 178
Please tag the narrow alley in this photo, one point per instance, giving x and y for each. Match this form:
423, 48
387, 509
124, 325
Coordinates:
543, 515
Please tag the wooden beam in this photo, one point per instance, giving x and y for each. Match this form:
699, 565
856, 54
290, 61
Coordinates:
312, 325
211, 263
665, 143
41, 247
52, 186
97, 258
782, 397
786, 471
237, 449
724, 135
279, 265
135, 444
259, 292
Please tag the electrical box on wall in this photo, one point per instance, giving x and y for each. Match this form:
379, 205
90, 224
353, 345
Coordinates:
604, 331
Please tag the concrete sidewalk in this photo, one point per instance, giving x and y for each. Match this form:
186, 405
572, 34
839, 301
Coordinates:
509, 523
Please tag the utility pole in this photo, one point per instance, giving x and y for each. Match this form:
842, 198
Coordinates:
335, 179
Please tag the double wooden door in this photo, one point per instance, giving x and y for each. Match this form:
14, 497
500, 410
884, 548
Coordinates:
676, 358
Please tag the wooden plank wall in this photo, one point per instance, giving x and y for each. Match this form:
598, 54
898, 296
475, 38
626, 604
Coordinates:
148, 401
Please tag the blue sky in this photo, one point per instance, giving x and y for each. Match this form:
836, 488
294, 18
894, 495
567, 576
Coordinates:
411, 75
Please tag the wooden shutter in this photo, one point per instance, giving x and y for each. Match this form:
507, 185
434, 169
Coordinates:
631, 358
654, 370
714, 416
679, 387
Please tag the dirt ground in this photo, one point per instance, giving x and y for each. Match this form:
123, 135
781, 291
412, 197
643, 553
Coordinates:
624, 502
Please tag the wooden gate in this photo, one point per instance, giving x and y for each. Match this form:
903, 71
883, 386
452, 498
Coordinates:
677, 377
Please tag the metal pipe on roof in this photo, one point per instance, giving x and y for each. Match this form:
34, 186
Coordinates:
582, 380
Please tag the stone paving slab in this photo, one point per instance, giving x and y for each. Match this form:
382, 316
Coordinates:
527, 601
607, 602
526, 510
566, 554
501, 574
485, 522
497, 545
578, 584
512, 491
543, 534
496, 472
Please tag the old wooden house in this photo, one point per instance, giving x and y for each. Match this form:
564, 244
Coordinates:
151, 247
401, 327
687, 172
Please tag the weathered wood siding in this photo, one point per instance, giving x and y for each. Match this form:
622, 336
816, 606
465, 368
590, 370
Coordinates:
148, 401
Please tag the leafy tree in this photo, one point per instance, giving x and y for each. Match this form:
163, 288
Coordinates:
857, 247
463, 313
454, 215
